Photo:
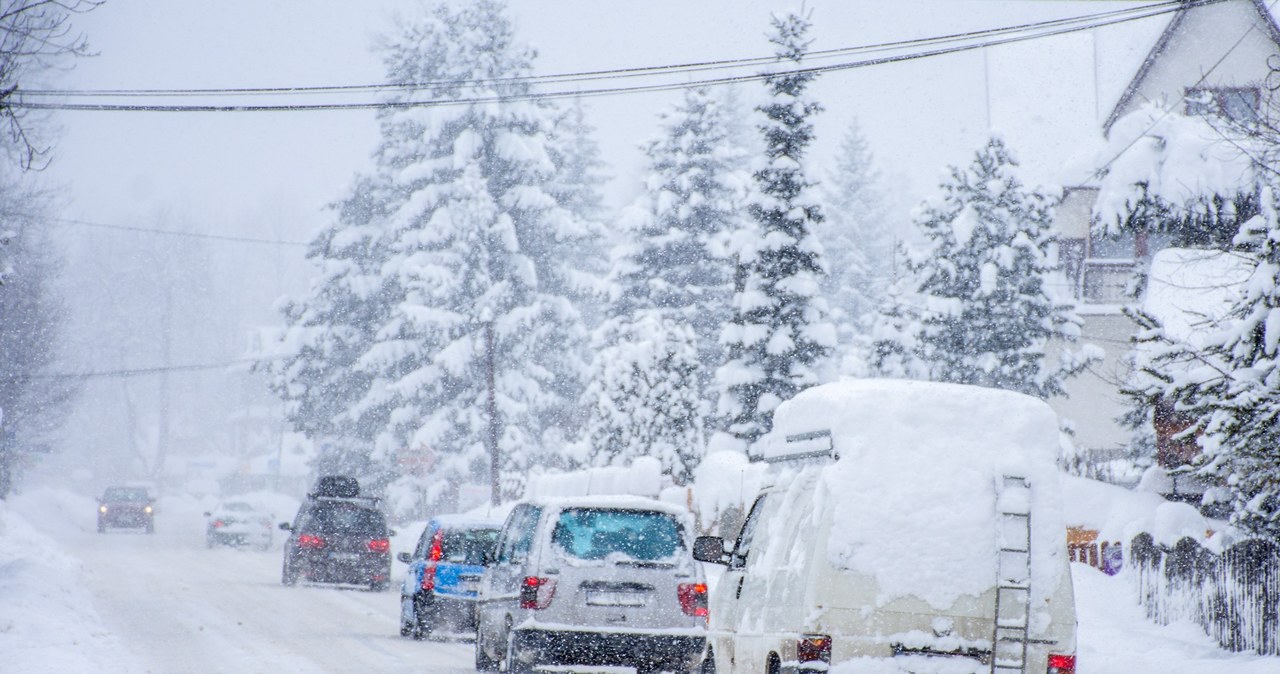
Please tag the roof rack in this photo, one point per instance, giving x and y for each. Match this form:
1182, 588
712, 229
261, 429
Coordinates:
359, 500
805, 447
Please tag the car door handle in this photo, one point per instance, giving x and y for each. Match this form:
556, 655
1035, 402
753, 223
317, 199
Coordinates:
738, 594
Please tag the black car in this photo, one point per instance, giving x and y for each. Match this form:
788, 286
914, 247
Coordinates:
126, 508
336, 539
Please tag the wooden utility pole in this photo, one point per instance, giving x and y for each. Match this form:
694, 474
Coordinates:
495, 482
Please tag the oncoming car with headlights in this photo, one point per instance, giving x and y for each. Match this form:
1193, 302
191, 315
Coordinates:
126, 508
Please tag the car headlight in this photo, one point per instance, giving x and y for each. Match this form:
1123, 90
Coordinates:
102, 509
147, 510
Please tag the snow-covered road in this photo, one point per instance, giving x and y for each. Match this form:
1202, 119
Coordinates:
72, 600
180, 609
174, 606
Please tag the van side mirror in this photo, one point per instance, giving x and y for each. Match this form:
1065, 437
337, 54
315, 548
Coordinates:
709, 549
286, 526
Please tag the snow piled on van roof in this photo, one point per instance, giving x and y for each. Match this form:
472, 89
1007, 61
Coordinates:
915, 486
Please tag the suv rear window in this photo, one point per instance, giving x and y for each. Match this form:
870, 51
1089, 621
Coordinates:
594, 533
341, 518
468, 546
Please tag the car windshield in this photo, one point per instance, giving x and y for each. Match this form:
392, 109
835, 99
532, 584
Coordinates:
125, 494
467, 546
595, 533
347, 519
237, 507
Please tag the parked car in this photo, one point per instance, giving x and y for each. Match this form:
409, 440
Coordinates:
440, 586
126, 508
239, 523
592, 581
912, 521
337, 539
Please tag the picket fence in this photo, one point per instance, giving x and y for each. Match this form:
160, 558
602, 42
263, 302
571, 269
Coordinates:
1234, 596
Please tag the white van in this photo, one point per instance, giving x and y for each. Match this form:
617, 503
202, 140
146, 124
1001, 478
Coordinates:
910, 526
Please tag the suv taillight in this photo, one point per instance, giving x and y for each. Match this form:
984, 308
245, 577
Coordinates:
310, 541
536, 593
693, 599
379, 545
813, 648
1061, 664
429, 578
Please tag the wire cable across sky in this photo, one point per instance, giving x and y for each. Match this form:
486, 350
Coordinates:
928, 47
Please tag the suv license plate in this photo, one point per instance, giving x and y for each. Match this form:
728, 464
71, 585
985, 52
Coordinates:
597, 598
346, 556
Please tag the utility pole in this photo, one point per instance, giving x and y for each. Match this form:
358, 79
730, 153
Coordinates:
495, 482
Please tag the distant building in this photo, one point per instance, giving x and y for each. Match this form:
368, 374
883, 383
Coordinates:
1210, 59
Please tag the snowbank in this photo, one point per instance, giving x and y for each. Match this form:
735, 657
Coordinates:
917, 476
47, 620
642, 478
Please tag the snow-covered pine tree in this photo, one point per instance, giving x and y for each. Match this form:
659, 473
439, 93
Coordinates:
1230, 387
858, 242
778, 337
671, 287
312, 367
470, 225
644, 398
980, 310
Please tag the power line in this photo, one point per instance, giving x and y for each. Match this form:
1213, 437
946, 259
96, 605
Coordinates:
166, 232
1162, 8
137, 372
1131, 13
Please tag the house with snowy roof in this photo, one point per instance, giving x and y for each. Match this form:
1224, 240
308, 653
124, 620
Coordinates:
1212, 62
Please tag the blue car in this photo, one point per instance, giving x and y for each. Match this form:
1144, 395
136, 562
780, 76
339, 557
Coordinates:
439, 590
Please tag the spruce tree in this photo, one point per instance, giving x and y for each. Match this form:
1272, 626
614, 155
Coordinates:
977, 307
475, 228
671, 286
1229, 388
644, 398
778, 337
858, 242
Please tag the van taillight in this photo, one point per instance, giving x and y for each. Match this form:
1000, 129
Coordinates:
813, 648
310, 541
1061, 664
536, 593
379, 545
693, 599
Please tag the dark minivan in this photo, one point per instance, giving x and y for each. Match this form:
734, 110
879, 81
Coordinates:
439, 590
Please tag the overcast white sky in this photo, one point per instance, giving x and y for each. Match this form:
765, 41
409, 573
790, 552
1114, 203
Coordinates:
233, 172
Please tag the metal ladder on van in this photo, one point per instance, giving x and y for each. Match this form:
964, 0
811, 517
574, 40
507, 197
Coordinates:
1013, 576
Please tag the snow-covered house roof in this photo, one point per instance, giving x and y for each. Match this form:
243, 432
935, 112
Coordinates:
1220, 44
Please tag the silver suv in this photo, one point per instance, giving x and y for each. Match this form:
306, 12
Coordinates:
602, 580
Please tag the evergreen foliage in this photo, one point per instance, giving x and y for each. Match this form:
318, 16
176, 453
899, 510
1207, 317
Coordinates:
778, 338
858, 241
671, 285
976, 308
1228, 389
468, 217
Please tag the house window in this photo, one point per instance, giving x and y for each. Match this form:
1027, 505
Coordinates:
1238, 104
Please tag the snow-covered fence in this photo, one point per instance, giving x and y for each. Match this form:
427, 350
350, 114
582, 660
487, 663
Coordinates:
1234, 596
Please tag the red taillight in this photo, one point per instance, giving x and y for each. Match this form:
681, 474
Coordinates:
437, 546
379, 545
693, 599
1061, 664
429, 578
310, 541
536, 593
814, 648
218, 524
